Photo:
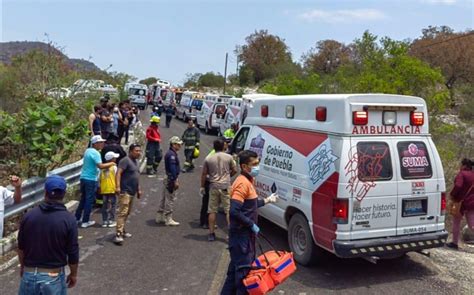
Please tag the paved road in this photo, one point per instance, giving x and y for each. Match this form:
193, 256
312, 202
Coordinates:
179, 260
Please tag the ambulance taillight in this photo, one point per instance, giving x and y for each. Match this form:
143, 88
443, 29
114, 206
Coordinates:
321, 114
417, 118
360, 117
264, 111
340, 211
443, 203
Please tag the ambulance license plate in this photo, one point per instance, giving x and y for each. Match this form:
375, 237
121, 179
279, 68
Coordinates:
414, 207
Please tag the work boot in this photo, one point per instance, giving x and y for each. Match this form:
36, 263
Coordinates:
159, 218
170, 222
149, 171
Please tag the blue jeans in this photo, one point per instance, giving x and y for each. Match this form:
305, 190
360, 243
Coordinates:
40, 283
88, 191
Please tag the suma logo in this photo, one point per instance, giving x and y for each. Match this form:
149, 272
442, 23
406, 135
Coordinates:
413, 149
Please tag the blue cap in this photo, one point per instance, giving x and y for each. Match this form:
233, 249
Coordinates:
55, 182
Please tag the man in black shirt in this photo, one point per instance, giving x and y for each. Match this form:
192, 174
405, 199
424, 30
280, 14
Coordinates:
47, 242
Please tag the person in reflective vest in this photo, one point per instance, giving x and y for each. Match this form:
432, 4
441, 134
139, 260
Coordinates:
191, 138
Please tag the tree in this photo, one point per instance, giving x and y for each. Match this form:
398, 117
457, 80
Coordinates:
148, 81
210, 79
191, 80
326, 57
452, 52
265, 55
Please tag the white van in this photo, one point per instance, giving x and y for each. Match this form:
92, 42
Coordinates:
211, 113
357, 174
137, 94
190, 103
232, 115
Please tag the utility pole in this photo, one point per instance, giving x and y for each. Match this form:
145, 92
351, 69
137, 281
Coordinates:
225, 70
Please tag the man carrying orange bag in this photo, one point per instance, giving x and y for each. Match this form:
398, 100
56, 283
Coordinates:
243, 223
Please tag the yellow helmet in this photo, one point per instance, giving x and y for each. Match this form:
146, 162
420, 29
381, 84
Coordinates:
155, 119
196, 153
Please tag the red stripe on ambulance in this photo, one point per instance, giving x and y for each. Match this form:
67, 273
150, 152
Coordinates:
304, 142
324, 229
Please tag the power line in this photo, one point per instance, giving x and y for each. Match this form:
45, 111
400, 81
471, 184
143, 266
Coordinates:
450, 39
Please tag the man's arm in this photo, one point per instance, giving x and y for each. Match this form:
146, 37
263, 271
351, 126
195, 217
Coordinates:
105, 165
71, 280
15, 181
204, 174
233, 168
118, 176
91, 122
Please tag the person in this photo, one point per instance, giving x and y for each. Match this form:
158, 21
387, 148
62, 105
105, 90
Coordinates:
161, 107
88, 180
106, 123
243, 223
170, 184
153, 150
8, 198
217, 169
191, 137
123, 121
112, 145
155, 112
104, 101
47, 242
94, 121
107, 190
116, 118
169, 113
230, 133
127, 186
463, 190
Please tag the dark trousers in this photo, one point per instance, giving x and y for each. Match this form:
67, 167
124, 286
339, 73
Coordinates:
204, 219
121, 131
188, 154
153, 155
168, 120
88, 192
242, 254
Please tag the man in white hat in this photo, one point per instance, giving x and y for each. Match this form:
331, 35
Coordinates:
92, 162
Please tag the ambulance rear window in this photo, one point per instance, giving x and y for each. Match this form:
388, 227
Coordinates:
414, 160
374, 161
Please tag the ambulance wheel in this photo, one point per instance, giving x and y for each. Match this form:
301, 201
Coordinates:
301, 241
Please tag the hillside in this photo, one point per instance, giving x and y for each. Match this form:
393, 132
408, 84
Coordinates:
10, 49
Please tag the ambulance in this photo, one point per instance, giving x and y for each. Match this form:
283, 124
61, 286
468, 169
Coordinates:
211, 113
357, 175
231, 116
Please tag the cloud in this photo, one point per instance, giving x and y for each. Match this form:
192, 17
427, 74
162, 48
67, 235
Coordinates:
342, 16
442, 2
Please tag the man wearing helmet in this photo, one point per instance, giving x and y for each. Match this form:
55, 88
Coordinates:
153, 151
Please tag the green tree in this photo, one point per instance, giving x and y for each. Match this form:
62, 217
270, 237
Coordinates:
265, 55
148, 81
326, 57
210, 79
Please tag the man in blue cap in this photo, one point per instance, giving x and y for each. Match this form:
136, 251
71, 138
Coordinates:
47, 242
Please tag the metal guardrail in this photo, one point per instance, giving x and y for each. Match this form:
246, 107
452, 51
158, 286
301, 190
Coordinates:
33, 188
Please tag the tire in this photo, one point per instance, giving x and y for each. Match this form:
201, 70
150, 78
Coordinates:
301, 241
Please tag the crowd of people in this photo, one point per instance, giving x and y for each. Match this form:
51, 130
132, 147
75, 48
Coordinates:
48, 235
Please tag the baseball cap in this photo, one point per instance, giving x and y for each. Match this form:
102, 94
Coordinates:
111, 155
55, 183
175, 140
97, 138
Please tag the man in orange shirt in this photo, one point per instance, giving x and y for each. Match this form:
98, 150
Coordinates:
243, 223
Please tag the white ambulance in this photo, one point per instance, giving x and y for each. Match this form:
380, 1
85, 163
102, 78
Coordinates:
231, 116
357, 174
211, 113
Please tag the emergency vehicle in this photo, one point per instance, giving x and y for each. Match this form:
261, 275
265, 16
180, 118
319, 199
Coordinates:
232, 114
137, 94
190, 103
212, 111
357, 175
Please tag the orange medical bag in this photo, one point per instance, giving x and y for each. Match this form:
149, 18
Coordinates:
269, 270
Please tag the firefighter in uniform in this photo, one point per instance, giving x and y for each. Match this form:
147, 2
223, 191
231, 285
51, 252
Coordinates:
243, 223
191, 137
153, 151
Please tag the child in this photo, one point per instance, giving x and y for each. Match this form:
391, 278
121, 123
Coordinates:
107, 191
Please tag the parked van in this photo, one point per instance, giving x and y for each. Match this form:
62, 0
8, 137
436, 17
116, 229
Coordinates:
137, 94
190, 103
232, 115
357, 174
211, 112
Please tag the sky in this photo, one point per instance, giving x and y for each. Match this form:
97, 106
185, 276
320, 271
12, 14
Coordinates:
168, 39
